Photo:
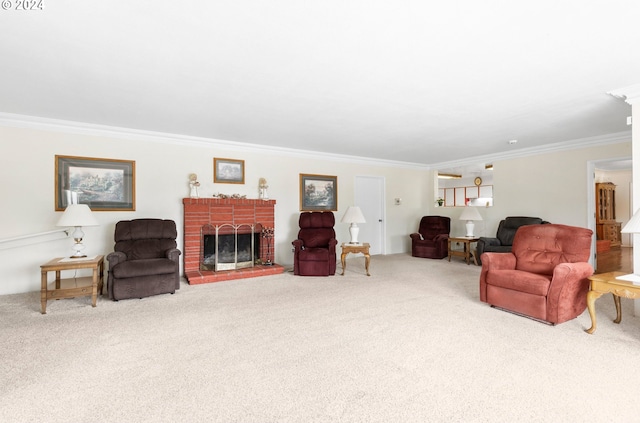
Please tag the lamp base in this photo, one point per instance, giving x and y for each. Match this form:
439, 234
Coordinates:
469, 226
77, 249
353, 231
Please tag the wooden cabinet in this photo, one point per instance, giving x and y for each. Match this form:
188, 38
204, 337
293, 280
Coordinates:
458, 196
606, 226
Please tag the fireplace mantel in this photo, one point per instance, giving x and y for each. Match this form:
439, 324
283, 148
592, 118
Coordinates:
199, 212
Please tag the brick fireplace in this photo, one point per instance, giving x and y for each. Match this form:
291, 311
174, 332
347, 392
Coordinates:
202, 214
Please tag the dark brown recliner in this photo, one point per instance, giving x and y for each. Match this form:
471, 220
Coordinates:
432, 238
145, 260
503, 241
315, 249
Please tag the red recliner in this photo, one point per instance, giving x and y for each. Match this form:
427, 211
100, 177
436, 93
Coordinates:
545, 276
315, 249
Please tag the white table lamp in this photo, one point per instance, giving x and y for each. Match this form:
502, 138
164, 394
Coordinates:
470, 214
353, 215
77, 215
632, 227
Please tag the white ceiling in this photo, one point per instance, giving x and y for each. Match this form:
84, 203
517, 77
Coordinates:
413, 81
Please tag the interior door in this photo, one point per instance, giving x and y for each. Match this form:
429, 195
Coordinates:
369, 196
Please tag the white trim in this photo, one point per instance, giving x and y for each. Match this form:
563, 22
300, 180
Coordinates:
630, 94
607, 139
47, 124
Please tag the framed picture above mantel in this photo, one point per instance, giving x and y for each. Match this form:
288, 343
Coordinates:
102, 184
228, 171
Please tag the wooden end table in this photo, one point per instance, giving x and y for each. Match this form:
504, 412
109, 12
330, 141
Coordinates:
355, 248
466, 252
72, 287
608, 283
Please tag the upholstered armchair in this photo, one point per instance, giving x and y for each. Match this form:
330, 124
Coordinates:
432, 238
145, 260
315, 248
544, 276
504, 237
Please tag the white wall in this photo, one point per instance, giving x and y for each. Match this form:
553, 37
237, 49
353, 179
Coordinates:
162, 172
552, 186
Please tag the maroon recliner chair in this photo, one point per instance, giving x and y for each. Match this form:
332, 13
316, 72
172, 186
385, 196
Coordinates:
432, 238
315, 249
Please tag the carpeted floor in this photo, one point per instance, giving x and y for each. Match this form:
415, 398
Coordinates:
411, 343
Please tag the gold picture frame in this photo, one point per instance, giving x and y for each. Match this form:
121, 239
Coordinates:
228, 171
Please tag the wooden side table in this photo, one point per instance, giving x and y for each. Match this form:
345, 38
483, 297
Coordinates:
355, 248
608, 283
70, 288
466, 252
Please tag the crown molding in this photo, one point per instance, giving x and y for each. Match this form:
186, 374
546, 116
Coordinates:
630, 94
57, 125
47, 124
615, 138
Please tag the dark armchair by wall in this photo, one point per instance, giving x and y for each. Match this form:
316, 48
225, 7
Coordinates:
504, 237
431, 240
145, 260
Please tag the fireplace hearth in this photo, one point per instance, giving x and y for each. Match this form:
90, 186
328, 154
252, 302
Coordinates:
241, 249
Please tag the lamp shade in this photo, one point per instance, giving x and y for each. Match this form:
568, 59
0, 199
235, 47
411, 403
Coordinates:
470, 213
77, 215
633, 225
353, 215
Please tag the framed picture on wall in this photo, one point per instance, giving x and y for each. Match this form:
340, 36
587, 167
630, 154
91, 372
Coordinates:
318, 192
102, 184
228, 171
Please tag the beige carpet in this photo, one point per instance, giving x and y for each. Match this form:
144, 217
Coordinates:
411, 343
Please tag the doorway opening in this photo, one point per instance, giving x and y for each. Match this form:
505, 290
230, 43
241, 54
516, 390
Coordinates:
610, 208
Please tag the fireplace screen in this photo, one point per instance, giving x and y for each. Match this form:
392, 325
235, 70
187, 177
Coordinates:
229, 247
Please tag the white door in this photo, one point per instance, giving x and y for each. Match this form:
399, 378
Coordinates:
369, 196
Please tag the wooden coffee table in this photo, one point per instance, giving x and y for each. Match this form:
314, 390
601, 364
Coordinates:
605, 283
466, 252
73, 287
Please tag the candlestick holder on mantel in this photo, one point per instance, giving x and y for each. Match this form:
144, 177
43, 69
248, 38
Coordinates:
267, 234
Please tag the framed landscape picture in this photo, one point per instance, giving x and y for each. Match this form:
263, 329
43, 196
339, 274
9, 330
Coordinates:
318, 192
228, 171
102, 184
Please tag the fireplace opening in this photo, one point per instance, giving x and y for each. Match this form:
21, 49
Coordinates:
229, 247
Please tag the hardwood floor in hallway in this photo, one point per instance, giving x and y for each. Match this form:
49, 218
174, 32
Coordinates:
616, 259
